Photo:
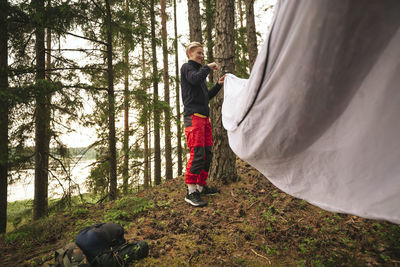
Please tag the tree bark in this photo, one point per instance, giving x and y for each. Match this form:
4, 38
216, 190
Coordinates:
194, 21
146, 154
251, 33
42, 120
111, 107
210, 20
157, 153
4, 111
167, 118
125, 167
177, 97
241, 33
223, 166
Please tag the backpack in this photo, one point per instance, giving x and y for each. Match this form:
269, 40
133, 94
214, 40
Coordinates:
105, 246
70, 256
121, 255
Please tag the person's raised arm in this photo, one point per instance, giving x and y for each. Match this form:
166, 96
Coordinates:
216, 88
194, 76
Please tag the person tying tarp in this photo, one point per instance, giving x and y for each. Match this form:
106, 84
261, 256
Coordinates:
196, 97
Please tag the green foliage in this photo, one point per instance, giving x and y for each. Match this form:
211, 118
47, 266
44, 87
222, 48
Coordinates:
18, 212
79, 212
34, 233
98, 181
270, 249
125, 208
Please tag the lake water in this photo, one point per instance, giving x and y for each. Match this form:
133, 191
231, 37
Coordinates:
24, 188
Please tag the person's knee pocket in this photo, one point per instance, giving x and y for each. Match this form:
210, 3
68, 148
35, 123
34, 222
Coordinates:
198, 160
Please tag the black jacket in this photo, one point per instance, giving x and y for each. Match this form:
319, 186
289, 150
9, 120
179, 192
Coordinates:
195, 94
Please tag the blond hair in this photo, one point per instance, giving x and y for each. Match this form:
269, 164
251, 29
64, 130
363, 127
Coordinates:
191, 46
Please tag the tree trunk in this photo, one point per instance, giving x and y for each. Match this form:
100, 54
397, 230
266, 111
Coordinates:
223, 166
125, 167
210, 19
146, 172
157, 152
194, 21
48, 97
177, 98
167, 118
241, 33
3, 114
42, 119
251, 33
111, 107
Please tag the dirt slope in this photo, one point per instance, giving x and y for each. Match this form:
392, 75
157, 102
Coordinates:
250, 223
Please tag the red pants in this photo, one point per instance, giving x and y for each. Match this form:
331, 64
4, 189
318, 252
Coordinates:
199, 140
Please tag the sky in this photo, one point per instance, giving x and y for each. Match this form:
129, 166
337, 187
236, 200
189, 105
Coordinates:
83, 137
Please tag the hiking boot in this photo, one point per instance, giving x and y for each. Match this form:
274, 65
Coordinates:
209, 190
194, 199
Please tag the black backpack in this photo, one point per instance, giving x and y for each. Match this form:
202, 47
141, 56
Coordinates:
104, 245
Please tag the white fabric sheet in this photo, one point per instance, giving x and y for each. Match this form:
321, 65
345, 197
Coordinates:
325, 122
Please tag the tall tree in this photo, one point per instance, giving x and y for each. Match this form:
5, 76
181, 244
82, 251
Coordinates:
146, 115
4, 111
157, 152
48, 98
125, 148
251, 32
42, 116
111, 105
223, 164
167, 118
177, 98
210, 20
241, 62
194, 21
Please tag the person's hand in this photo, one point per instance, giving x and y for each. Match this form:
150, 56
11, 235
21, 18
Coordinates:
221, 80
213, 66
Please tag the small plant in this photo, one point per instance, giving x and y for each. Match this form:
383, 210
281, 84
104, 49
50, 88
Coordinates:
303, 204
270, 250
79, 212
163, 204
301, 263
384, 257
303, 248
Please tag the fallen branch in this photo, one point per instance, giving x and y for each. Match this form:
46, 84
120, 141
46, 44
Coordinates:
269, 262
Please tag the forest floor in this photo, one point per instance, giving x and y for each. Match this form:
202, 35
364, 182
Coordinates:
250, 223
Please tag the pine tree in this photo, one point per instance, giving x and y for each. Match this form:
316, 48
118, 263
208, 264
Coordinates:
157, 152
146, 112
167, 118
210, 23
111, 105
4, 111
194, 21
241, 63
125, 148
177, 98
42, 118
251, 33
223, 164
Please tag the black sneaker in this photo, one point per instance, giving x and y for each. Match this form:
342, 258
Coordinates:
209, 190
194, 199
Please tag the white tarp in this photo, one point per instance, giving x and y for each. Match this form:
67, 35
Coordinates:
320, 113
